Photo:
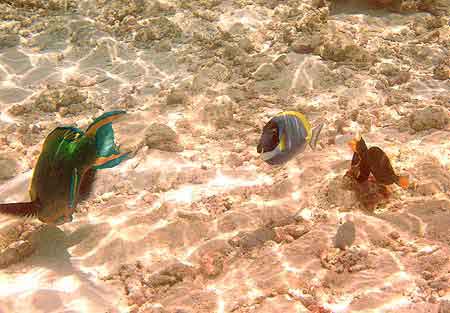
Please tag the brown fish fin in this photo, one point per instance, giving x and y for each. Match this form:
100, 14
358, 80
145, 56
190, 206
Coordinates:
403, 181
22, 209
352, 144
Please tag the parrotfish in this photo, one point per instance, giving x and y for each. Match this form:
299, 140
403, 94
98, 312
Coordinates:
375, 161
67, 154
285, 136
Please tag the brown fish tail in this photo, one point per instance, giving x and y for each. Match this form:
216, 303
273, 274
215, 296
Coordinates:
403, 181
22, 209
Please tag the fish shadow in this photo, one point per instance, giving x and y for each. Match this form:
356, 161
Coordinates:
369, 194
52, 244
51, 252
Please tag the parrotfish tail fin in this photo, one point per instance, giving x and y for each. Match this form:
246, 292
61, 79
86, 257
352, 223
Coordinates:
22, 209
104, 120
111, 161
315, 136
403, 181
108, 154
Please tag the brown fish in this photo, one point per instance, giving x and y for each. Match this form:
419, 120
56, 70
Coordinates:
382, 170
373, 160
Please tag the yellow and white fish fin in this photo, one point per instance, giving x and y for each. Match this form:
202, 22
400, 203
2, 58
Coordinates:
315, 136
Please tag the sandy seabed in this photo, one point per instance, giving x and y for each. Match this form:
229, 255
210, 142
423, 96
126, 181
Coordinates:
195, 222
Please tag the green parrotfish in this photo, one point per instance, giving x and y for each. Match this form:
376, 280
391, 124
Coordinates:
67, 154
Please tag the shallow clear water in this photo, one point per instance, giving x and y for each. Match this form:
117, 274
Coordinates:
195, 220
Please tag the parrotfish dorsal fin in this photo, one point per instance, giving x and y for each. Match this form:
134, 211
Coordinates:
68, 133
61, 135
22, 209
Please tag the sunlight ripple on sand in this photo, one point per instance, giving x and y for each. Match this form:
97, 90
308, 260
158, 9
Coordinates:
18, 284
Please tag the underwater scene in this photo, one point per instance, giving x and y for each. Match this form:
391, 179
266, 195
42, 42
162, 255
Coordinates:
235, 156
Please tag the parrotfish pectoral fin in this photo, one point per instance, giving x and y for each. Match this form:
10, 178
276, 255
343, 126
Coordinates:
315, 136
74, 187
22, 209
111, 161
